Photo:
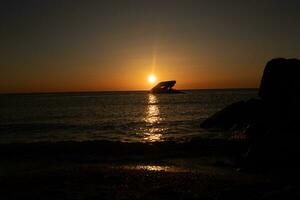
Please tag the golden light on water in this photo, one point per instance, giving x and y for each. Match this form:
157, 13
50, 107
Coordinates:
152, 131
151, 78
152, 114
158, 168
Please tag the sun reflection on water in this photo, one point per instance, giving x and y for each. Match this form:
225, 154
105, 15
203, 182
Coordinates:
152, 132
157, 168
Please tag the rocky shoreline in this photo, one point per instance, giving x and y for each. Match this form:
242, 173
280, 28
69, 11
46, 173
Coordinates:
270, 121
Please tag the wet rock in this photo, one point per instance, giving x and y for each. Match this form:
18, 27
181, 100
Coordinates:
236, 115
271, 121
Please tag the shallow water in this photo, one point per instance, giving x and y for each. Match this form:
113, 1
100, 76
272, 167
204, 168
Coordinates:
113, 116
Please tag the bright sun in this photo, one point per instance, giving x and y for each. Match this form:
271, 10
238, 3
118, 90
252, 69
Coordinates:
151, 78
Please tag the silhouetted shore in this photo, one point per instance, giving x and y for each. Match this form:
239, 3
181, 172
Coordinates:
101, 169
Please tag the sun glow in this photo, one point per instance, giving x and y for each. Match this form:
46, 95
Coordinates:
151, 78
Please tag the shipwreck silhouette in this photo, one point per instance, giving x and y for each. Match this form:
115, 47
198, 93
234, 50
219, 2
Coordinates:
165, 87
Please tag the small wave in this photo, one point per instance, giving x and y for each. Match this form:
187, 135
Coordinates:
102, 149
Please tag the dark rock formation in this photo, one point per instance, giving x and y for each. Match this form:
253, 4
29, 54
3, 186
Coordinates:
236, 115
165, 87
280, 90
280, 80
271, 120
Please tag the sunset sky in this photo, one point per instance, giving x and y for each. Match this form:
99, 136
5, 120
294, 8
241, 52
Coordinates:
54, 46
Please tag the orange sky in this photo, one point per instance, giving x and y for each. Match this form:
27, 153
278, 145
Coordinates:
49, 46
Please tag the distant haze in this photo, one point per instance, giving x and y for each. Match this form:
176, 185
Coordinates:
114, 45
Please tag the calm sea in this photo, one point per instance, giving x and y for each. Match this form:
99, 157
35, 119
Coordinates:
113, 116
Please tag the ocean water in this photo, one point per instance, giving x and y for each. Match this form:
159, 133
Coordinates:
112, 116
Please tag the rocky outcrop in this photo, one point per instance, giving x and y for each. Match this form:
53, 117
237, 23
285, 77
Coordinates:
236, 115
280, 90
280, 80
271, 119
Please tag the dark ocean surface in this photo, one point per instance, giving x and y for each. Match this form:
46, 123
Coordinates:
112, 116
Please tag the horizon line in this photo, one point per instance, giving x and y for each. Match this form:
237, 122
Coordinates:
100, 91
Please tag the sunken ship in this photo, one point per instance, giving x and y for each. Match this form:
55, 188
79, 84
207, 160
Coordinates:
165, 87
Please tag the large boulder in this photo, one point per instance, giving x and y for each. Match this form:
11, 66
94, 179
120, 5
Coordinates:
278, 102
280, 80
272, 119
236, 115
280, 90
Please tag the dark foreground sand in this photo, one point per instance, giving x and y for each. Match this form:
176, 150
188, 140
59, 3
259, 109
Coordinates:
49, 171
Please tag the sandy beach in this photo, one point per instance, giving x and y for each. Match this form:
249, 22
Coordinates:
93, 170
